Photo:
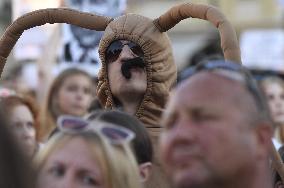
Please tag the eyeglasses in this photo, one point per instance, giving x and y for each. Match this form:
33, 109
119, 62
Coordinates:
114, 49
235, 72
75, 125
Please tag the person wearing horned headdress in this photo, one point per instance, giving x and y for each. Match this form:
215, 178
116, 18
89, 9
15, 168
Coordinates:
138, 69
141, 46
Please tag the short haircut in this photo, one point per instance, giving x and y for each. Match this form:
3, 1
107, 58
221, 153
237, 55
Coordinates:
240, 74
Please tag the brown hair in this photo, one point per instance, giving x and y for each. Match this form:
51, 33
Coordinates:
10, 102
51, 110
16, 170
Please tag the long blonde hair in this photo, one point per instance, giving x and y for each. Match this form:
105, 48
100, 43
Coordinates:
118, 164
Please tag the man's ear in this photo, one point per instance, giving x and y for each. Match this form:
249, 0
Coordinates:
264, 134
145, 171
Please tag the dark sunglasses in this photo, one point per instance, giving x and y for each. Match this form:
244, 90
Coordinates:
235, 72
75, 125
114, 49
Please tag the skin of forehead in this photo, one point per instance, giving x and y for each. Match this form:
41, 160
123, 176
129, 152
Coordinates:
236, 90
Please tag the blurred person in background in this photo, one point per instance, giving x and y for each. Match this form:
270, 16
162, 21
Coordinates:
15, 166
71, 93
141, 144
22, 78
211, 48
22, 116
84, 154
273, 88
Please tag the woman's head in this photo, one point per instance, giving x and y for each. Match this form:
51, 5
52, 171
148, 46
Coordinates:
86, 159
23, 120
273, 88
141, 144
15, 169
70, 93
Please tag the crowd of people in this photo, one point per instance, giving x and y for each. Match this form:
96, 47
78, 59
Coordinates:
135, 126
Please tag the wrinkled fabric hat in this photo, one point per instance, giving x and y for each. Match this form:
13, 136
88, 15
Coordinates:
165, 22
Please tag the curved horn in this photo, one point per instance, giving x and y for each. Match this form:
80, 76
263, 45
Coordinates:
41, 17
229, 41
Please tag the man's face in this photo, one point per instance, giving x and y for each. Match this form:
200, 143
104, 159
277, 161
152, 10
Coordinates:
207, 138
119, 85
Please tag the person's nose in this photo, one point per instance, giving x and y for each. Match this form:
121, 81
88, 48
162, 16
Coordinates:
27, 132
67, 184
67, 181
126, 53
79, 94
279, 103
185, 130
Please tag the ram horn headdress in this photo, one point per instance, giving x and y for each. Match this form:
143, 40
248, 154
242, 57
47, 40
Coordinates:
229, 42
41, 17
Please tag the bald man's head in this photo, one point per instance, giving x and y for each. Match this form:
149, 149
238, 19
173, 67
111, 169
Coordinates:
215, 131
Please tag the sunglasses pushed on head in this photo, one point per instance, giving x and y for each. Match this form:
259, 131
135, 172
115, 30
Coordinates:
75, 125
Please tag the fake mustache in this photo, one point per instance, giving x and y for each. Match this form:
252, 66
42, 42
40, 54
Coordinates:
136, 62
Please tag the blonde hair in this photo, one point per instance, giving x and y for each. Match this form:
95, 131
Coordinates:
271, 80
118, 164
